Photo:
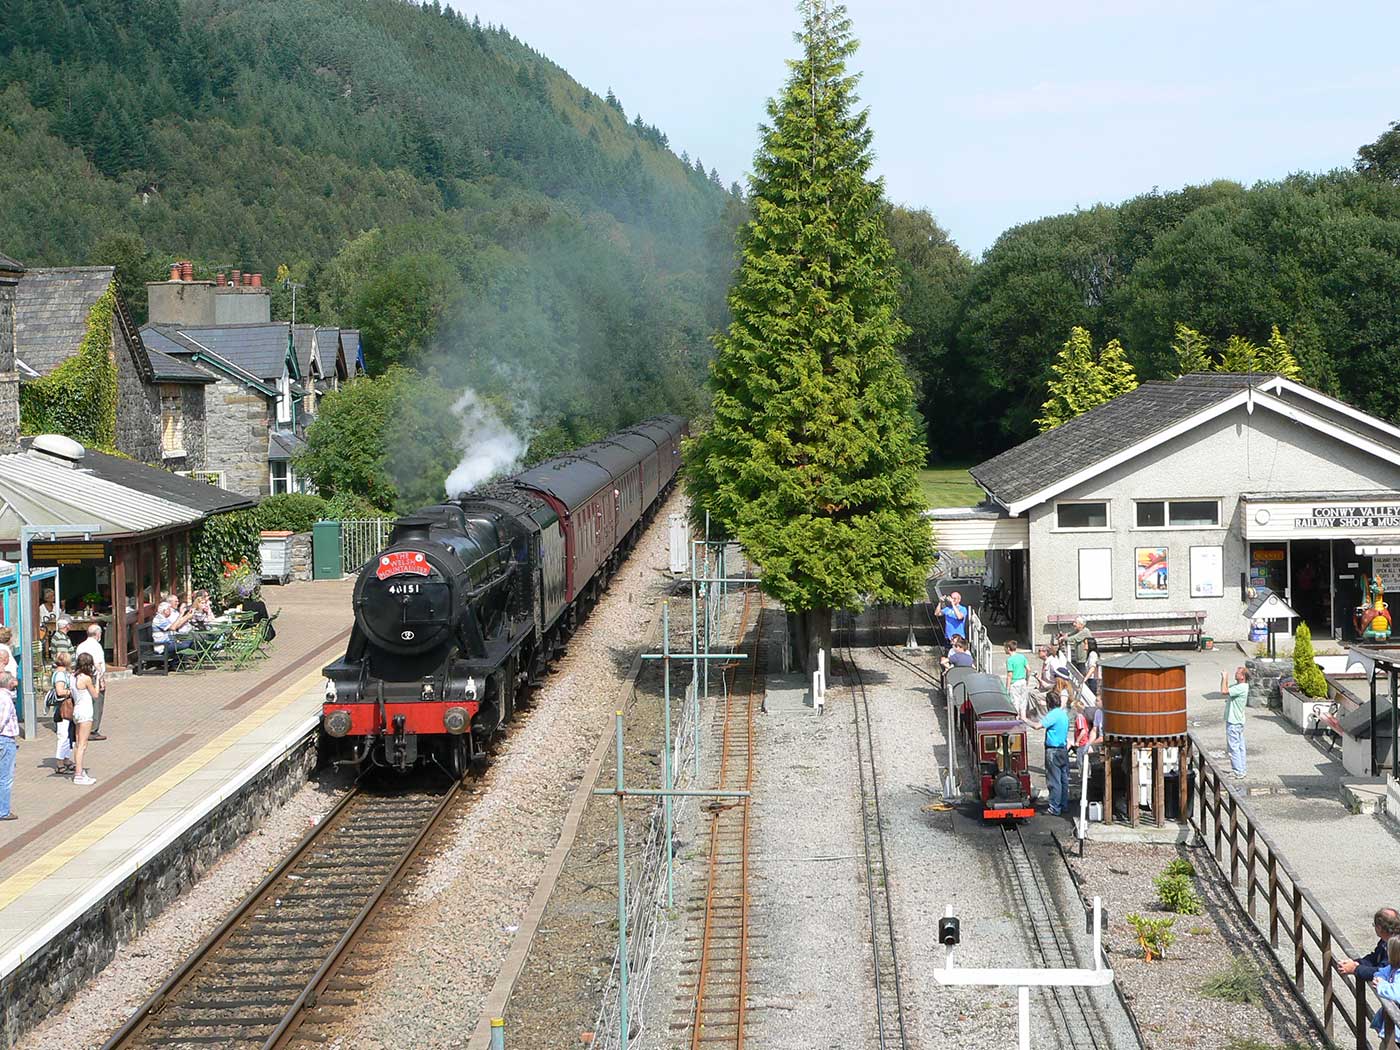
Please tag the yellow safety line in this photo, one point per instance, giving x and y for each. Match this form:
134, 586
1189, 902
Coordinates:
42, 867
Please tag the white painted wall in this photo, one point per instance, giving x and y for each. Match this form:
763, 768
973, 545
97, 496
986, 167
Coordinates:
1236, 453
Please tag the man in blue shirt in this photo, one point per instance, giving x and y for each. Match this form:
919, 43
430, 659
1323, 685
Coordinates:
1056, 726
954, 614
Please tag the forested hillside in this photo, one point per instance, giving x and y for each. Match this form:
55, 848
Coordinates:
430, 180
1316, 255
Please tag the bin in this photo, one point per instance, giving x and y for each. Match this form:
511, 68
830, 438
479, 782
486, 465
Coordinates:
275, 549
325, 551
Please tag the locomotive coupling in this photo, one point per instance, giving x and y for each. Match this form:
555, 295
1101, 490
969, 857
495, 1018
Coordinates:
949, 933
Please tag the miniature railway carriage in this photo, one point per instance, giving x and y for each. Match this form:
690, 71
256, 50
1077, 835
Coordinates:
473, 598
994, 739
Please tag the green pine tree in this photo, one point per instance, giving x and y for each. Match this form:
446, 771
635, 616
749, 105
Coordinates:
811, 460
1276, 356
1116, 375
1192, 351
1239, 355
1083, 380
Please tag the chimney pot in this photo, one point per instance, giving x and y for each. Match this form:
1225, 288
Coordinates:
186, 270
220, 280
237, 276
174, 271
257, 280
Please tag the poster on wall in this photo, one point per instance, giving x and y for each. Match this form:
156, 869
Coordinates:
1387, 567
1207, 572
1095, 573
1152, 572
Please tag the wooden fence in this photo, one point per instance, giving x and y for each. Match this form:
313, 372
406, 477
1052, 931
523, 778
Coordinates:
1304, 938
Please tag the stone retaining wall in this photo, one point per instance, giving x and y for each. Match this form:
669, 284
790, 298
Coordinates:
301, 556
51, 976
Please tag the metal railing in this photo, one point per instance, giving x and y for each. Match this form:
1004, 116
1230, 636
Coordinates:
1303, 936
361, 539
979, 642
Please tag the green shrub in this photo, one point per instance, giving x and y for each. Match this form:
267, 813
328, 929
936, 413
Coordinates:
1177, 894
1180, 866
1155, 935
345, 506
223, 540
1238, 983
1306, 674
291, 512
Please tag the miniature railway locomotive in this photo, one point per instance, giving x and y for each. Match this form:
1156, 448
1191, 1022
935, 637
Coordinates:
473, 598
994, 739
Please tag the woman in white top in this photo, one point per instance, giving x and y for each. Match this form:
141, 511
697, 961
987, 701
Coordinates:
63, 690
1091, 667
83, 689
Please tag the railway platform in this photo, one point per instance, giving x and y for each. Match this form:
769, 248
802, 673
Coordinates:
82, 867
1296, 788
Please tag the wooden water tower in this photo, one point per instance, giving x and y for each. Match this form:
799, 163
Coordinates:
1143, 696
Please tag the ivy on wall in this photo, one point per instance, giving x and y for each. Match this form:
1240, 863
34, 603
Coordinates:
79, 397
222, 540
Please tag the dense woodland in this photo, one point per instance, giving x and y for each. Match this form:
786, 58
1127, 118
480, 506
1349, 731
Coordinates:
479, 215
487, 221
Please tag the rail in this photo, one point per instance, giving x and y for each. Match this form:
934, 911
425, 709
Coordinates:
1303, 936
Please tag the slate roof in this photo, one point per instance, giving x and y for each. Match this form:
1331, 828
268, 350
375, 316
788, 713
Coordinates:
303, 341
1099, 433
354, 351
12, 265
168, 369
51, 312
328, 349
259, 350
283, 445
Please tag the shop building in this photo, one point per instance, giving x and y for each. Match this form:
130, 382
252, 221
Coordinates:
1181, 498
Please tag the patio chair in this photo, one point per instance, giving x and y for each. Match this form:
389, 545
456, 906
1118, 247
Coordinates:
242, 647
147, 655
269, 631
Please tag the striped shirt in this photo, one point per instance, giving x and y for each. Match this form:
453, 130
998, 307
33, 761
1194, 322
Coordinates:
9, 723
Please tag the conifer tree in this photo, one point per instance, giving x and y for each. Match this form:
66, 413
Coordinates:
1239, 355
1276, 356
1083, 380
811, 460
1192, 351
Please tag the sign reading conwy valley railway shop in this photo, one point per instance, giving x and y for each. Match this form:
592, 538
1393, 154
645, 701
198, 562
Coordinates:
1281, 520
47, 553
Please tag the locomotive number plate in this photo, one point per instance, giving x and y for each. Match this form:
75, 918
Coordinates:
405, 588
402, 563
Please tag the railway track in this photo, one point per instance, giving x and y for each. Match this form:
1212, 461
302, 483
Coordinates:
720, 1005
253, 982
889, 994
1078, 1021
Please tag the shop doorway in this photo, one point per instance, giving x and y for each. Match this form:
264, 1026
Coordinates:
1310, 584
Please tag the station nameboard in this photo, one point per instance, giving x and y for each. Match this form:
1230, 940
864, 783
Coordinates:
50, 553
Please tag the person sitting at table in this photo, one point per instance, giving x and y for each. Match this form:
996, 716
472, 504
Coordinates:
201, 610
167, 626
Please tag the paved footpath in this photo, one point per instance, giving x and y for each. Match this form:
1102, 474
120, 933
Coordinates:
156, 724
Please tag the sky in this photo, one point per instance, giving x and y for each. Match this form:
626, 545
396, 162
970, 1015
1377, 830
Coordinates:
995, 113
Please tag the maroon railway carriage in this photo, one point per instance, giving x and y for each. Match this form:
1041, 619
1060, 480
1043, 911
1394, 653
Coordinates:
994, 738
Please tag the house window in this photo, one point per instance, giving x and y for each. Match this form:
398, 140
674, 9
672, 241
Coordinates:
172, 421
1178, 514
281, 477
1082, 515
284, 401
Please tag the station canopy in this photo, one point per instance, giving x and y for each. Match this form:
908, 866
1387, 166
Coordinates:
983, 528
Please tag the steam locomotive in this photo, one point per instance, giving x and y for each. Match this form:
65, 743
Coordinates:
471, 599
994, 739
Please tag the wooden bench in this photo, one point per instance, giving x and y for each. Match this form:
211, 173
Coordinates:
1143, 626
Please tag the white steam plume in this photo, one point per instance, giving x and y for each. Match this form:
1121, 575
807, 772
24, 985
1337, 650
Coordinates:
489, 447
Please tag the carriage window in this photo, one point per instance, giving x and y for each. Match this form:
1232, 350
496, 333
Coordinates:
1016, 743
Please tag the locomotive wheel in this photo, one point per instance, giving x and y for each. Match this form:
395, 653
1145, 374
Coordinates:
459, 756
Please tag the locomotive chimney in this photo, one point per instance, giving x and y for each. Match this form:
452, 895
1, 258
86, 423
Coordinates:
410, 530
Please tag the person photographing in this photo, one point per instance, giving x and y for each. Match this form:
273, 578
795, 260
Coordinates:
954, 615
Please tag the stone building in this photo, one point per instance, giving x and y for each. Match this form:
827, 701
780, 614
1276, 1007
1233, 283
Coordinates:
10, 273
1183, 499
160, 399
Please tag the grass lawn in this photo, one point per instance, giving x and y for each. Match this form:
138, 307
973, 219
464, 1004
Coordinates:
949, 487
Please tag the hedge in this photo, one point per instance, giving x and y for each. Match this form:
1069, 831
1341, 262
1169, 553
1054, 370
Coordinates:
221, 539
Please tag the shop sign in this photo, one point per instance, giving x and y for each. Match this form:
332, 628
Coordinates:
50, 553
1353, 516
